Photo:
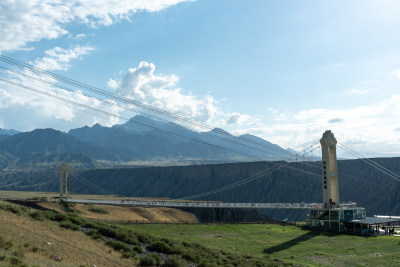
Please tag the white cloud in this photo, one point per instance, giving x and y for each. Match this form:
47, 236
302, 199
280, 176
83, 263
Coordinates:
161, 91
27, 109
359, 92
59, 58
396, 73
366, 128
23, 22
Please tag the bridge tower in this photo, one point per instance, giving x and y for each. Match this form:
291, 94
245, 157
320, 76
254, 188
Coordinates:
330, 183
64, 169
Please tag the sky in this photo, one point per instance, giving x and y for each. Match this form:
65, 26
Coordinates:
285, 70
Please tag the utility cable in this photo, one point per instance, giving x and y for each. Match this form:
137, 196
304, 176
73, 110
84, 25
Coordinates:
104, 93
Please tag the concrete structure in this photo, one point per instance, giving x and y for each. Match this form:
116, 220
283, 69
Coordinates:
330, 184
332, 216
64, 169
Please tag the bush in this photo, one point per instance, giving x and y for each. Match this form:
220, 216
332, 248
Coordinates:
98, 210
16, 210
69, 225
58, 217
130, 254
18, 254
107, 231
75, 220
94, 234
15, 260
6, 245
118, 245
152, 259
174, 261
91, 225
38, 216
138, 249
143, 238
160, 246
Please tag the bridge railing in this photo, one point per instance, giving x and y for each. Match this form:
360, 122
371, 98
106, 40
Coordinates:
194, 204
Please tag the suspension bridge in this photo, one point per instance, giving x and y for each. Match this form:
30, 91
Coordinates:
330, 210
329, 176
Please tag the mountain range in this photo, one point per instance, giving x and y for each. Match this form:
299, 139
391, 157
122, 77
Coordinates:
139, 141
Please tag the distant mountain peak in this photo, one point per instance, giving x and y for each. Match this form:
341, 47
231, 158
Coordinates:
220, 131
8, 132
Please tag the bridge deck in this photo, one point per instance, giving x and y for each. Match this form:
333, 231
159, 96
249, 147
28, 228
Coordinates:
195, 204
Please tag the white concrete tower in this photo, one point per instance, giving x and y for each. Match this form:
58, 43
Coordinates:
64, 168
330, 183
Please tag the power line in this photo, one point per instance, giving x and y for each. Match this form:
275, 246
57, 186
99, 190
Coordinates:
119, 116
92, 185
243, 181
371, 163
125, 100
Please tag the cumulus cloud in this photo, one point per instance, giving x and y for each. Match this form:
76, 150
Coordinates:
161, 91
368, 127
23, 22
47, 105
58, 58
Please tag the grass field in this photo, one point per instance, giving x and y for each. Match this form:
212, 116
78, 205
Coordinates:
289, 243
256, 242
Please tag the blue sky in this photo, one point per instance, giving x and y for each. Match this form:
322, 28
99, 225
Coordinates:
283, 70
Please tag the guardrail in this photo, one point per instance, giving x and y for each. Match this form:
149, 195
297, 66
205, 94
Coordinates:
192, 204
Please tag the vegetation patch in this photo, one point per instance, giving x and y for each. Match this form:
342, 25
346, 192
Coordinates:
98, 210
69, 225
152, 259
6, 245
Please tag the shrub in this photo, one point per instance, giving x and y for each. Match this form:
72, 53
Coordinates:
69, 225
107, 231
38, 216
75, 220
58, 217
2, 258
92, 225
94, 234
15, 260
98, 210
174, 261
118, 245
129, 254
16, 210
160, 246
18, 254
152, 259
138, 249
6, 245
143, 238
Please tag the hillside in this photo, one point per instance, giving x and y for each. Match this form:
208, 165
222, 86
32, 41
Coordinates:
32, 237
35, 242
36, 237
301, 182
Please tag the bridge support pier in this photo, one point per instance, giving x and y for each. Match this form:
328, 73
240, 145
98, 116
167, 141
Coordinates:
64, 171
330, 182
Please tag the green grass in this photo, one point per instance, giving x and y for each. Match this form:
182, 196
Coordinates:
288, 243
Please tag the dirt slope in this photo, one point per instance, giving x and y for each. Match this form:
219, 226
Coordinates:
126, 214
38, 241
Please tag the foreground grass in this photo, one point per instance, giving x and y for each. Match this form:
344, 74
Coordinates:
29, 228
289, 243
